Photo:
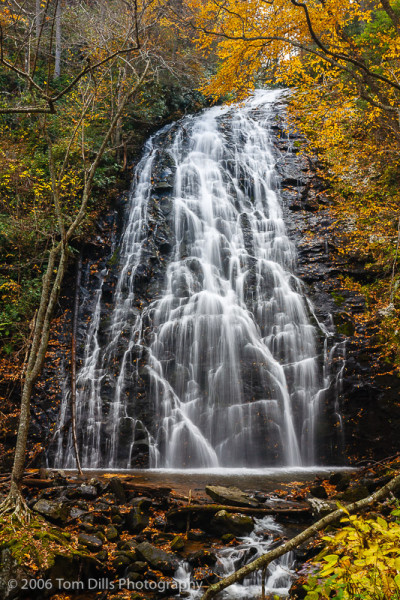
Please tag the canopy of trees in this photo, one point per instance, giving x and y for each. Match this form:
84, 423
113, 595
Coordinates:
342, 63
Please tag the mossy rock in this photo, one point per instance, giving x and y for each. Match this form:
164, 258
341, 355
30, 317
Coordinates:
237, 524
38, 550
353, 494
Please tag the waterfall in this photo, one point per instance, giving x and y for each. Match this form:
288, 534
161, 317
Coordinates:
223, 339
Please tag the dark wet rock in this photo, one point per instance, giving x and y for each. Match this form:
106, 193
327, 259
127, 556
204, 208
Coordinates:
318, 491
353, 494
136, 521
373, 484
141, 504
77, 513
196, 535
162, 186
129, 553
341, 480
320, 508
57, 512
88, 492
157, 558
117, 520
88, 527
111, 533
201, 558
231, 496
121, 562
139, 566
237, 524
127, 546
67, 567
116, 487
133, 576
102, 555
227, 537
92, 542
161, 538
88, 518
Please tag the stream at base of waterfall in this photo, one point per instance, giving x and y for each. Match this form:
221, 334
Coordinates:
278, 577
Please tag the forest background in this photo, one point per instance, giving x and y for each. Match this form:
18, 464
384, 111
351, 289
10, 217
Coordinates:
82, 84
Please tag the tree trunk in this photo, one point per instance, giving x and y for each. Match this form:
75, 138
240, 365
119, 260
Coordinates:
14, 502
38, 17
57, 64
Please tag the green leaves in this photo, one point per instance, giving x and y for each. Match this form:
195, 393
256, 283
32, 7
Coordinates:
360, 561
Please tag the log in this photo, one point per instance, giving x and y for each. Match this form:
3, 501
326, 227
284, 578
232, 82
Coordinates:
189, 508
7, 476
263, 561
146, 489
39, 483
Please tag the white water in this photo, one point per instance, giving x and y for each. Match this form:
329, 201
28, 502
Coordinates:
279, 575
235, 379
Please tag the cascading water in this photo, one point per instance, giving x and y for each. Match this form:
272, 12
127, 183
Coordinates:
278, 578
226, 346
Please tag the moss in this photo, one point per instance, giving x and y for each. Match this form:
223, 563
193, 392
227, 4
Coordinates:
36, 544
346, 329
113, 261
338, 298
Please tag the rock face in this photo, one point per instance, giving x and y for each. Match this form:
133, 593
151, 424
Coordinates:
231, 496
368, 403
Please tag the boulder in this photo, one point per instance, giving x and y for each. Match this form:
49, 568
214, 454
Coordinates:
157, 558
197, 535
341, 480
58, 512
201, 558
353, 494
139, 566
88, 492
91, 542
116, 487
318, 491
141, 503
121, 562
231, 496
225, 522
68, 566
136, 521
111, 533
320, 508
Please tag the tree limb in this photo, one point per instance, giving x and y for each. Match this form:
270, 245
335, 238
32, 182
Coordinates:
214, 508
